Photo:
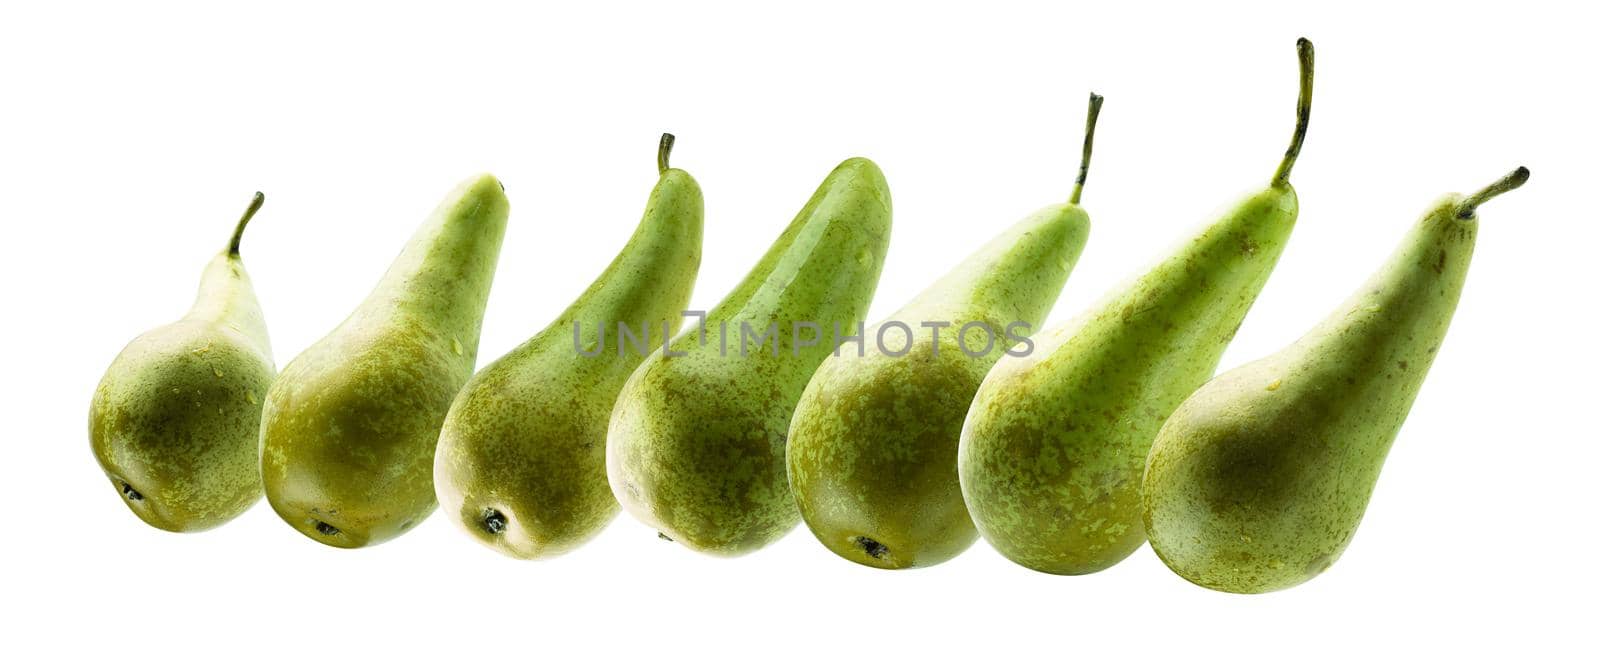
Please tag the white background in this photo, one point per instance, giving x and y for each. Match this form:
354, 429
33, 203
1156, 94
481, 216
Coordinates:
132, 134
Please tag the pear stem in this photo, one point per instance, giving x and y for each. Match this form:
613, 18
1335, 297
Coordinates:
1302, 112
1088, 147
1507, 183
664, 152
249, 212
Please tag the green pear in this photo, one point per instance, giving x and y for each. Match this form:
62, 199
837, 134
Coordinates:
1259, 479
696, 441
174, 420
350, 426
521, 461
1054, 443
872, 448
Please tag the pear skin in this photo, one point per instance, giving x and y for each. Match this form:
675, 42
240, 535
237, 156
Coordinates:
1259, 480
872, 448
1054, 443
350, 426
521, 460
696, 442
175, 418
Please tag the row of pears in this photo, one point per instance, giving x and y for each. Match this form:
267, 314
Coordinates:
1065, 451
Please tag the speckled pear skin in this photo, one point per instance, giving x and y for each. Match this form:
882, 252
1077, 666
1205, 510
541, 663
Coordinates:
872, 447
696, 442
521, 461
174, 420
350, 426
1258, 480
1054, 444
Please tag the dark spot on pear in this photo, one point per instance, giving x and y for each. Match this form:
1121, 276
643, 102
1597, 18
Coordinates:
327, 529
131, 493
873, 548
493, 521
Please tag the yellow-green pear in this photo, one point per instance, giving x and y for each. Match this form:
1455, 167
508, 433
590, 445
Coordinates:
350, 426
1258, 481
1054, 443
872, 448
521, 463
174, 420
696, 443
